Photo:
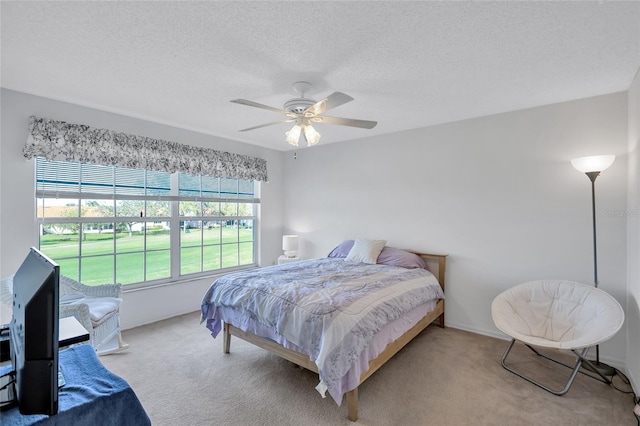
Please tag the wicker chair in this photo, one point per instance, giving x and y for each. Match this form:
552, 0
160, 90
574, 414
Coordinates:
104, 331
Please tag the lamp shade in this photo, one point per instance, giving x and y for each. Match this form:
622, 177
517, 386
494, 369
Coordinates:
293, 135
311, 135
594, 163
290, 245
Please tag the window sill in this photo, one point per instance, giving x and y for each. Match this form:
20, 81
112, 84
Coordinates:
212, 275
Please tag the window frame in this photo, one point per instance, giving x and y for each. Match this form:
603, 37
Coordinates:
174, 219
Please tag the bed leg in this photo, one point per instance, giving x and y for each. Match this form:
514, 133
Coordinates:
442, 320
352, 405
226, 339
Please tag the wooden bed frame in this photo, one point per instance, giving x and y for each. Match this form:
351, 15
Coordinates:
436, 263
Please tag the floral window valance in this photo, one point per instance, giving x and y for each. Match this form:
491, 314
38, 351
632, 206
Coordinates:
61, 141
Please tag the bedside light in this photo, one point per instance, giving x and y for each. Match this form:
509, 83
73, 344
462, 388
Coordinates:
290, 245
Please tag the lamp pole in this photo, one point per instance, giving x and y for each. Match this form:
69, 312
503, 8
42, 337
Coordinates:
592, 177
603, 368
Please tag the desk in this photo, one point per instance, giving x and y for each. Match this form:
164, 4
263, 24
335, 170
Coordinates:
92, 395
70, 332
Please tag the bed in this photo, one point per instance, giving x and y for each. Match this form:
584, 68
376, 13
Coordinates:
342, 317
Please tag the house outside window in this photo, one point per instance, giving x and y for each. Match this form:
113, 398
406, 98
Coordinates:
105, 224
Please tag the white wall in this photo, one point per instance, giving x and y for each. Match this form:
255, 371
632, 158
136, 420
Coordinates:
633, 237
17, 199
497, 194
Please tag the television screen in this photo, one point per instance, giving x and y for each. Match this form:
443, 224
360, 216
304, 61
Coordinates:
34, 334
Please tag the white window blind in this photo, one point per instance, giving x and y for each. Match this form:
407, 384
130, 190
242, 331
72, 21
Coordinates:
137, 227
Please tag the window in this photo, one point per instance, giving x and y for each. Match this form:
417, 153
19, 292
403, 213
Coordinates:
106, 224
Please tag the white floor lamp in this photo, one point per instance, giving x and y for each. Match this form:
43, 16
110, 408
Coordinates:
592, 166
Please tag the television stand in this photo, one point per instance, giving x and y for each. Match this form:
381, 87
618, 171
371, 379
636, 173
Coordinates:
91, 395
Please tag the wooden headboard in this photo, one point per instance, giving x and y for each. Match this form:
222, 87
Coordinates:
436, 264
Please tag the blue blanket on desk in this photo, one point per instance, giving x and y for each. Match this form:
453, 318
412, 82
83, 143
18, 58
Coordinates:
92, 395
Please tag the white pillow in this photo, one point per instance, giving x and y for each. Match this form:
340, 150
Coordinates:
365, 251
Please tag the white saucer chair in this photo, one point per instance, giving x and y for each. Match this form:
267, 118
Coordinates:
557, 314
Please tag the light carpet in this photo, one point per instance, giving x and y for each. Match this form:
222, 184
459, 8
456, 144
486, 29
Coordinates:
443, 377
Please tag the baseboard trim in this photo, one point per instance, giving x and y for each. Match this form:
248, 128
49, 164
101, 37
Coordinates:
614, 362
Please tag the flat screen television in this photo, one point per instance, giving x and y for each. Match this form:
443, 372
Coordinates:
33, 332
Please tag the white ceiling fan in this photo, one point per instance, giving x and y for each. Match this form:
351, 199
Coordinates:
304, 111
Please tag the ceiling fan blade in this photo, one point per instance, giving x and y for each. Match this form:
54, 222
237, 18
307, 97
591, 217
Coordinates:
257, 105
268, 124
333, 100
364, 124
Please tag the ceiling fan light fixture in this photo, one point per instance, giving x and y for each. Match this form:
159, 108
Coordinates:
305, 111
311, 135
293, 135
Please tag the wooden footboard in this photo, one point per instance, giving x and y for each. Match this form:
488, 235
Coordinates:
304, 361
436, 264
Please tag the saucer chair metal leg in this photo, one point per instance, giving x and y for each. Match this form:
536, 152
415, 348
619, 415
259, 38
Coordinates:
574, 373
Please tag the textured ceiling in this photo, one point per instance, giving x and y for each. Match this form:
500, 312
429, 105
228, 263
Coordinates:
407, 64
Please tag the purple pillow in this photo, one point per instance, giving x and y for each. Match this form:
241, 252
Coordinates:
342, 249
389, 256
395, 257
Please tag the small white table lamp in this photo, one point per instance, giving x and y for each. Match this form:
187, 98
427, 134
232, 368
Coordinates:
290, 245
